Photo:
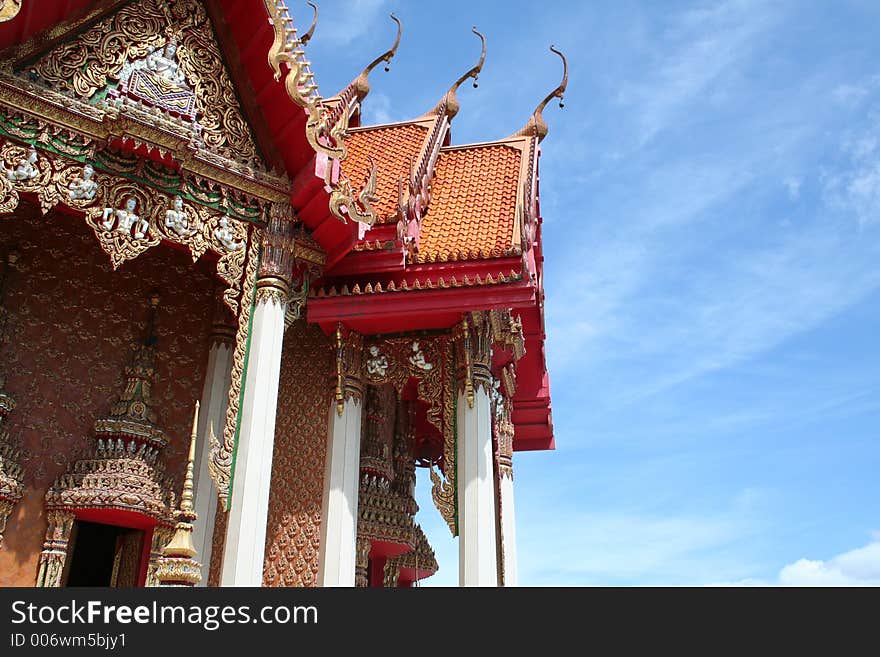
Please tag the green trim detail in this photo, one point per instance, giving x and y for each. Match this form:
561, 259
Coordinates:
247, 356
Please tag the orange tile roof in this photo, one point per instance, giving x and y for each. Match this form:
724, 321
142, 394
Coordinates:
391, 148
473, 205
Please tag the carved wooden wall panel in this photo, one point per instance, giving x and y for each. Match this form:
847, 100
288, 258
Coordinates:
72, 324
293, 534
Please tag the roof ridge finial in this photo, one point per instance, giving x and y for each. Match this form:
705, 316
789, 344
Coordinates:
361, 82
536, 126
305, 38
450, 100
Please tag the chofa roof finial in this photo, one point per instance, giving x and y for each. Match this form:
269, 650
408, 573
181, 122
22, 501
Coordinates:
451, 102
304, 39
362, 83
536, 126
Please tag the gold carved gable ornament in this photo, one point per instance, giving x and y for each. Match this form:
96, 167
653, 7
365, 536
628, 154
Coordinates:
157, 55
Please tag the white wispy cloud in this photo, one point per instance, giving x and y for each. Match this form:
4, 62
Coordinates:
377, 108
856, 186
349, 21
858, 567
701, 48
640, 545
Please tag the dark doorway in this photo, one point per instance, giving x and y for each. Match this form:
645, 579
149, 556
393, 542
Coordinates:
105, 555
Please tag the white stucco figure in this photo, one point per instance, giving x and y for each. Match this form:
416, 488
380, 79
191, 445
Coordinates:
83, 188
226, 236
25, 168
123, 220
177, 220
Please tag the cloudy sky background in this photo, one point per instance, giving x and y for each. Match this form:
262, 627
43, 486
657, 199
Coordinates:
711, 205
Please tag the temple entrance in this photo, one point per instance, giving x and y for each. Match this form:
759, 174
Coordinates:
105, 555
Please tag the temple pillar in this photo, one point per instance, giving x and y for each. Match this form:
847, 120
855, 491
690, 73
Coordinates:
212, 417
245, 545
477, 557
337, 560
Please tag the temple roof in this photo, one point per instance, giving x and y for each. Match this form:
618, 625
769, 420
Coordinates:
473, 209
395, 146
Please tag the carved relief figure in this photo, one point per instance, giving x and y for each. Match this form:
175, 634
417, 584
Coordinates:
125, 219
377, 363
83, 188
164, 64
417, 358
25, 168
177, 220
226, 236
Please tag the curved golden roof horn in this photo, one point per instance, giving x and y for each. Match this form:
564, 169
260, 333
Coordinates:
362, 83
452, 105
536, 125
308, 35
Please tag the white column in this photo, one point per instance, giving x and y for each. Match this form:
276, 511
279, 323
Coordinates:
249, 505
212, 414
339, 509
477, 556
508, 529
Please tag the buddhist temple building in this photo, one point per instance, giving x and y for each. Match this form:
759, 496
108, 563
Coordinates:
187, 220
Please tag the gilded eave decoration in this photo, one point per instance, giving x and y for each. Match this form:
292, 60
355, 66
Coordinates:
326, 127
127, 218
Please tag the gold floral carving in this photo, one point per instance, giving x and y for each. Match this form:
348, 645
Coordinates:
161, 536
11, 478
391, 574
222, 453
362, 562
349, 378
473, 347
95, 59
54, 552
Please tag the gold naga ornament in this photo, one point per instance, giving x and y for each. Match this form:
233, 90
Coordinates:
326, 130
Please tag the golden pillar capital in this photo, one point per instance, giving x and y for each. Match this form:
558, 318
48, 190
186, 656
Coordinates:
272, 289
349, 361
473, 354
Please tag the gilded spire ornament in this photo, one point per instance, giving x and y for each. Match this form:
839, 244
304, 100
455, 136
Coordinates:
305, 38
536, 126
361, 82
178, 566
450, 103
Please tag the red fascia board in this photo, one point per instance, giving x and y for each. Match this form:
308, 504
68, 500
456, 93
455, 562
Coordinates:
416, 303
360, 262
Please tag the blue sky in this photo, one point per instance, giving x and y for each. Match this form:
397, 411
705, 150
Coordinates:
711, 205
